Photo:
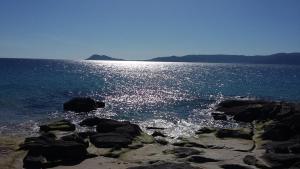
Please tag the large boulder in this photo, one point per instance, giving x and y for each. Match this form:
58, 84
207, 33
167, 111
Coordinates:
82, 104
92, 121
62, 125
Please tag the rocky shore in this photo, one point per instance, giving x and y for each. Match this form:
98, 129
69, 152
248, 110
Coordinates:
269, 138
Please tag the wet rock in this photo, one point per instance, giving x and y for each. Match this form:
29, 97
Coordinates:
158, 133
205, 130
234, 133
235, 166
219, 116
189, 144
131, 129
93, 121
295, 148
201, 159
252, 160
166, 165
62, 125
108, 140
183, 152
82, 104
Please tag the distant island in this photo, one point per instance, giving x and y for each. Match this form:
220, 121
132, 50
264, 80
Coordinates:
101, 57
278, 58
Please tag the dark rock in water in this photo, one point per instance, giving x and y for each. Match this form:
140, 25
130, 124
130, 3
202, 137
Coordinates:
166, 165
62, 125
277, 132
234, 133
235, 166
183, 152
157, 133
205, 130
219, 116
201, 159
32, 161
93, 121
295, 148
108, 140
82, 104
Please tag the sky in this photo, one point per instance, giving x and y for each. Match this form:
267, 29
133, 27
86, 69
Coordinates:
143, 29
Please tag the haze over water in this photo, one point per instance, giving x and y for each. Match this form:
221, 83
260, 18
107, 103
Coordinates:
179, 96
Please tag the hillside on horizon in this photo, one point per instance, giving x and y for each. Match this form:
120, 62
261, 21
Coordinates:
278, 58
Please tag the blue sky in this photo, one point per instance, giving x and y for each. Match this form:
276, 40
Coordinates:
141, 29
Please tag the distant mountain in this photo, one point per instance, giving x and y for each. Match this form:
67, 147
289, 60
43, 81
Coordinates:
101, 57
279, 58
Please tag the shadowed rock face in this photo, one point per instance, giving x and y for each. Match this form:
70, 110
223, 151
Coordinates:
82, 104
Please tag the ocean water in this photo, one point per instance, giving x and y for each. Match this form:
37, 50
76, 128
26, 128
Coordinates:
177, 96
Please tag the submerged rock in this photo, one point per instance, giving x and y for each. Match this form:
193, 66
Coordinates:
82, 104
219, 116
62, 125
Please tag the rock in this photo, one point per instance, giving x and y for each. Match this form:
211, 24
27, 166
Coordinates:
183, 152
52, 150
33, 161
234, 133
219, 116
157, 133
62, 125
65, 150
161, 141
205, 130
131, 129
281, 160
82, 104
76, 138
201, 159
93, 121
252, 160
166, 165
189, 144
295, 148
155, 128
109, 140
109, 125
234, 166
277, 132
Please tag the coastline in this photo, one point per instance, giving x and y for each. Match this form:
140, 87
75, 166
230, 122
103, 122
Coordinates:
210, 148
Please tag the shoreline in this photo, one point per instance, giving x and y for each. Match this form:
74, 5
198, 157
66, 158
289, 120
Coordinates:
263, 143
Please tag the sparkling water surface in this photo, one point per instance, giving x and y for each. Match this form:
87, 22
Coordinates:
177, 96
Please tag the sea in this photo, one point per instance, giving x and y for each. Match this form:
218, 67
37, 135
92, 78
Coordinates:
177, 96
